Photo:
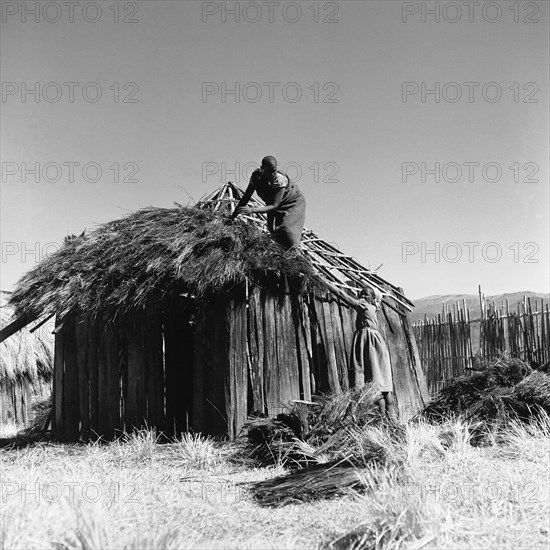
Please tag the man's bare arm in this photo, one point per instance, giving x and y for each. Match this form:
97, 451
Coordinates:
244, 200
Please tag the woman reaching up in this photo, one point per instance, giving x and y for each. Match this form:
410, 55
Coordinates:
370, 357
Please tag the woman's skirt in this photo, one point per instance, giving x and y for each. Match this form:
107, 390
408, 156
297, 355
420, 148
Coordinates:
289, 221
370, 359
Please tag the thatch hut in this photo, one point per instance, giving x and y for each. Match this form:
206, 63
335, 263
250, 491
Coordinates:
26, 368
184, 319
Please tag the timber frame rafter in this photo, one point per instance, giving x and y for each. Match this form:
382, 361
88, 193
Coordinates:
331, 264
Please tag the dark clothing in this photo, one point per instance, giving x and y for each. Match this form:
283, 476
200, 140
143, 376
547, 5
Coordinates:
289, 218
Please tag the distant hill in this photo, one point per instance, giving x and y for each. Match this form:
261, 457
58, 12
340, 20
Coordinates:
432, 305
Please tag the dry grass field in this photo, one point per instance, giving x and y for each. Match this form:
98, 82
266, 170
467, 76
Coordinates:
136, 493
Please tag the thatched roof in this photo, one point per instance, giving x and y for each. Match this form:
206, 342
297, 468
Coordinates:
25, 358
158, 252
151, 254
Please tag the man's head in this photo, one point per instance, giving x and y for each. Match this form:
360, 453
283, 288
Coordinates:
269, 165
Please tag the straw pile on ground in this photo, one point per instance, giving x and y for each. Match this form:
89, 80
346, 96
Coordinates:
498, 392
151, 254
311, 433
26, 359
327, 447
42, 416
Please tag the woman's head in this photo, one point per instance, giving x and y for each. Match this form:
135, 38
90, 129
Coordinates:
371, 294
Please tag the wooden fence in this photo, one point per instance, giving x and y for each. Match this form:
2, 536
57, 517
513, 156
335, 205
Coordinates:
450, 343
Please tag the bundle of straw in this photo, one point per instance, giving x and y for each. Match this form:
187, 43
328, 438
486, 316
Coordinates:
42, 409
307, 484
357, 451
530, 395
330, 420
345, 434
26, 359
506, 389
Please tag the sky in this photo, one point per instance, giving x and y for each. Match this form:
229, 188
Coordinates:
418, 131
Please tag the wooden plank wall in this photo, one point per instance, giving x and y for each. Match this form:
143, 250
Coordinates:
212, 400
300, 321
410, 386
16, 404
178, 367
332, 325
70, 380
319, 357
256, 352
237, 383
207, 369
57, 388
134, 376
108, 377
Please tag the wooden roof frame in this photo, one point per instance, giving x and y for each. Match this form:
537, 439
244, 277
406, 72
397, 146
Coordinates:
334, 266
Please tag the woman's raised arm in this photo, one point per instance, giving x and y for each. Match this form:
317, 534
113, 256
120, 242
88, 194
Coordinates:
344, 296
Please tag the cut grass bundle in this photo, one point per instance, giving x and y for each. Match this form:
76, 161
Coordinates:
351, 409
42, 410
348, 455
26, 369
269, 440
531, 395
319, 481
504, 390
296, 439
26, 359
340, 436
150, 254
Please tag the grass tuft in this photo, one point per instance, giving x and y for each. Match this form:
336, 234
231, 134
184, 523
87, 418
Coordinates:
198, 452
140, 444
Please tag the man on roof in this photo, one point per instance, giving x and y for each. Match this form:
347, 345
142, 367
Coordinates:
285, 205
